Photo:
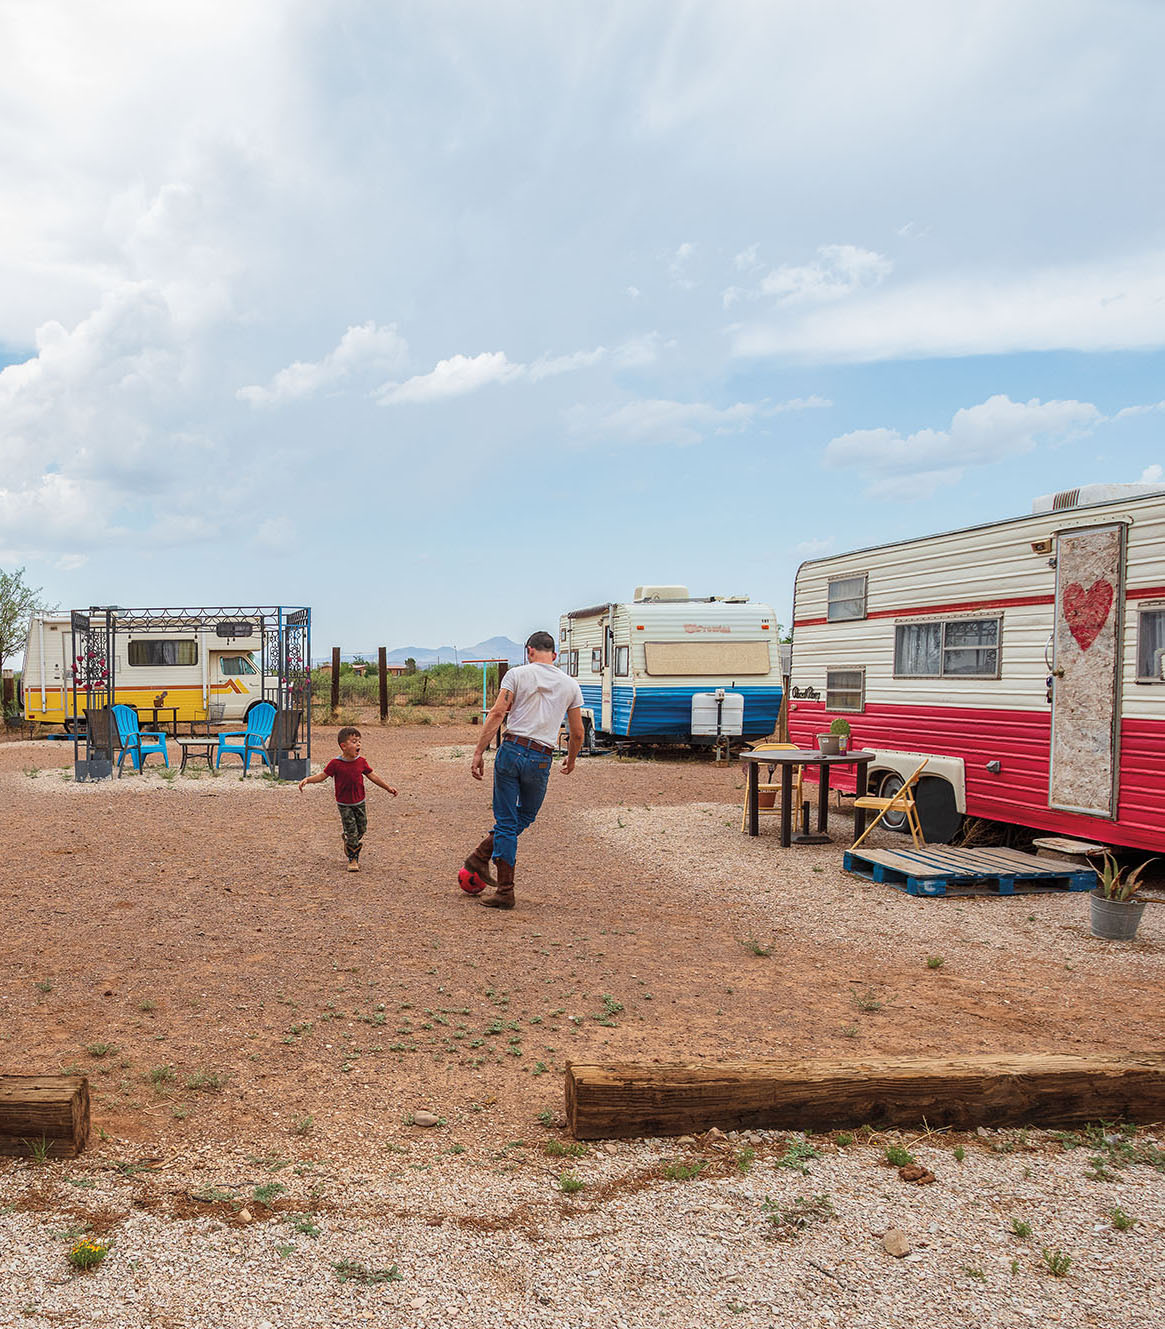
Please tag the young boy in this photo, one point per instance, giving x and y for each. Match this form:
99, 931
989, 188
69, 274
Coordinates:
348, 771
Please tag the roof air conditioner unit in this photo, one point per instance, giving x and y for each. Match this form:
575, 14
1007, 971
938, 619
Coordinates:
661, 593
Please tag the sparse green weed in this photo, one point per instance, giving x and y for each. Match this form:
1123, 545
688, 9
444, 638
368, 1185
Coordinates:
564, 1149
678, 1171
1057, 1263
350, 1271
788, 1220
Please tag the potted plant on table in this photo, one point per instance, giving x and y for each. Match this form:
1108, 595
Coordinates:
1116, 915
840, 728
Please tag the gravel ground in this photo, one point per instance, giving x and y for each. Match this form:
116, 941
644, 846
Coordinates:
429, 1239
1047, 928
202, 936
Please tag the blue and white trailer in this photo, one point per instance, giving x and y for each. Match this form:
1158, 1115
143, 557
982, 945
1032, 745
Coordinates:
650, 669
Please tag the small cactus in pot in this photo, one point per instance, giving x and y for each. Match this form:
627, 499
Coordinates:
841, 730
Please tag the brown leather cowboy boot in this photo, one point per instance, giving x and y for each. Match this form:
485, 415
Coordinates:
503, 897
478, 861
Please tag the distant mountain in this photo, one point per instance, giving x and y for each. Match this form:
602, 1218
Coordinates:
496, 648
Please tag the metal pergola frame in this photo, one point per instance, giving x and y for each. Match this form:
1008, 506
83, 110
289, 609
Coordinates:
284, 633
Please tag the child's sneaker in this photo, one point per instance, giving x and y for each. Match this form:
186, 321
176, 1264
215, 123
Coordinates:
353, 865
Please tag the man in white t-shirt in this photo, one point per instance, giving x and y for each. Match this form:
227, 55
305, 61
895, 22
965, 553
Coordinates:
535, 696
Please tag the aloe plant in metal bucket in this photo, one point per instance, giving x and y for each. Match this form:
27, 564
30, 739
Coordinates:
1116, 915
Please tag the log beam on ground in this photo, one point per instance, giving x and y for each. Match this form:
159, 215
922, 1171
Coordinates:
624, 1101
43, 1115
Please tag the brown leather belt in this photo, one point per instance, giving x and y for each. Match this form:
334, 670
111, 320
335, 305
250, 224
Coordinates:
531, 743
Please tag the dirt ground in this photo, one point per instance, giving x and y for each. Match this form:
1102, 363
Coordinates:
197, 948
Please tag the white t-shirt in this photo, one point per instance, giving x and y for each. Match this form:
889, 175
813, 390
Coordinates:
542, 696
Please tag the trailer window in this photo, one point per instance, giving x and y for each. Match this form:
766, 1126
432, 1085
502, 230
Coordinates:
622, 656
233, 665
845, 689
570, 663
958, 648
163, 653
596, 659
1151, 645
708, 659
847, 598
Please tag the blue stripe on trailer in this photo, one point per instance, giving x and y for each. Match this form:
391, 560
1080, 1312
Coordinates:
667, 712
654, 712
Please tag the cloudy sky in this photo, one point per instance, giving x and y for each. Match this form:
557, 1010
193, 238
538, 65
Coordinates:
444, 317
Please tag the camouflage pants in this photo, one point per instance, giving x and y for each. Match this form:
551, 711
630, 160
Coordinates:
354, 820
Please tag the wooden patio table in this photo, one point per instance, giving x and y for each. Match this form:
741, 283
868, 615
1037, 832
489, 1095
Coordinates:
786, 759
156, 722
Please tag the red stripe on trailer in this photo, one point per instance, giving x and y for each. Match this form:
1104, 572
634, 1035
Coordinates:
1020, 741
967, 606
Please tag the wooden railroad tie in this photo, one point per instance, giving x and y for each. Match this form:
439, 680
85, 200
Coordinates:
46, 1114
626, 1101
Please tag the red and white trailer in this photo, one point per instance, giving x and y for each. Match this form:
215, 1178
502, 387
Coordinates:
1024, 658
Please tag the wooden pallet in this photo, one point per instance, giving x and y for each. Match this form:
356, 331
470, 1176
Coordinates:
940, 870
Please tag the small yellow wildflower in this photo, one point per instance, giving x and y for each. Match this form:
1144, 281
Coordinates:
88, 1254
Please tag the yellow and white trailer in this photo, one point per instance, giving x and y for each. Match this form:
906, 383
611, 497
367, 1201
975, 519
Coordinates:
194, 667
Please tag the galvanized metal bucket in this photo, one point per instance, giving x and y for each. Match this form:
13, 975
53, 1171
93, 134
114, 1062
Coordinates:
1115, 920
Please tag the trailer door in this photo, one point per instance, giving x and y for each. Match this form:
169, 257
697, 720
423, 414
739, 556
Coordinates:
607, 719
1090, 576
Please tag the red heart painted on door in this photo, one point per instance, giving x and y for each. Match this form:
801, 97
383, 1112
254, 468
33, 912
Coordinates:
1086, 611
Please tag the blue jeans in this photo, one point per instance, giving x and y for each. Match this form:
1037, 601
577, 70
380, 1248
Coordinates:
520, 777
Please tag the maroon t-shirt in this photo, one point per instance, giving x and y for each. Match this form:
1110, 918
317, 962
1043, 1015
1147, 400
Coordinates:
349, 778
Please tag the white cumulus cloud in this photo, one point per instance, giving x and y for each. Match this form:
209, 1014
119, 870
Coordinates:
364, 348
660, 421
462, 374
453, 377
1092, 306
837, 271
915, 465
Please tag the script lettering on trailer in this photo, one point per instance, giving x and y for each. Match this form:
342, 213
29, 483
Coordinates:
805, 694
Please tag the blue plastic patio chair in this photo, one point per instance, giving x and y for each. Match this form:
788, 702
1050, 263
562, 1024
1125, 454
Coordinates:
135, 740
254, 742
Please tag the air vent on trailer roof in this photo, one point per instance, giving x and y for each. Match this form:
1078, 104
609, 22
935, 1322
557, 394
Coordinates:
1089, 494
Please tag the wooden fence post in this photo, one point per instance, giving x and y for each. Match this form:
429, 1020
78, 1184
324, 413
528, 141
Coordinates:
503, 670
382, 668
335, 680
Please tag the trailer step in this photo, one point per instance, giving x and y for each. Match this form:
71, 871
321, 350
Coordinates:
942, 871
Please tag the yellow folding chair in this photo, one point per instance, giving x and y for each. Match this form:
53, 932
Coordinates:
773, 786
902, 800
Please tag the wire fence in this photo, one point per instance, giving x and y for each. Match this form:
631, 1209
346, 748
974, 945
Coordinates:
445, 685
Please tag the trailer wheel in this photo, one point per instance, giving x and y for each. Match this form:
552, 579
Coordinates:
891, 783
934, 798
